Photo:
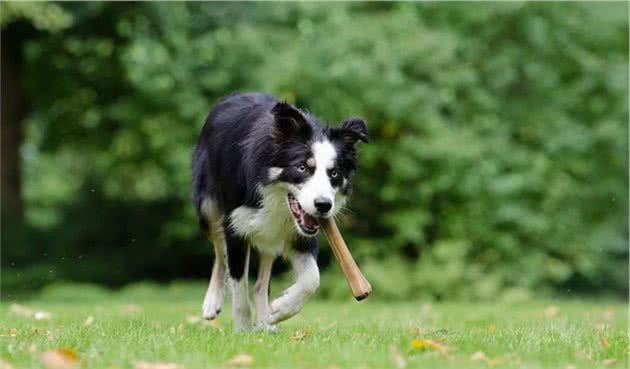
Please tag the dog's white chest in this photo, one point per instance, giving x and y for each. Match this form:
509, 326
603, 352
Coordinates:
268, 228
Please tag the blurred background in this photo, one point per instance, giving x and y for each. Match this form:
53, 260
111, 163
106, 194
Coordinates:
497, 165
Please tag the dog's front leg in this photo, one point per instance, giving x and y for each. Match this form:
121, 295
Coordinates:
261, 292
238, 264
291, 301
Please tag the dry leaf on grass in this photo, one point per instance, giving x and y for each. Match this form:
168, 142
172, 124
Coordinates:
61, 359
423, 344
13, 332
193, 319
583, 355
88, 321
241, 360
552, 311
301, 334
132, 309
609, 314
490, 361
608, 362
604, 341
22, 310
397, 357
42, 315
25, 311
478, 356
5, 364
150, 365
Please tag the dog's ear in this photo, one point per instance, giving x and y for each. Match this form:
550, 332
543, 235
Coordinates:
289, 123
354, 130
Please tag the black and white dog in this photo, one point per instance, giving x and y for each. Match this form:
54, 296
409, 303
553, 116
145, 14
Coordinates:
263, 173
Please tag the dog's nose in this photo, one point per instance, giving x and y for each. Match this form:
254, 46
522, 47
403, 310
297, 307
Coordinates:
323, 205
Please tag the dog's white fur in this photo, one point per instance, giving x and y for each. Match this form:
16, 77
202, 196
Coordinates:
318, 185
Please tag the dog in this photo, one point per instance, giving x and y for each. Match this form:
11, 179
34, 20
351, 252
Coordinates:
263, 172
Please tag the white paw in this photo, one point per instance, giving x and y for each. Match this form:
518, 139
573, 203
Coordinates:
212, 303
266, 327
242, 318
284, 307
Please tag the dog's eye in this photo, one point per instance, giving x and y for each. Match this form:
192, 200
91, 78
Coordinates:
301, 168
334, 173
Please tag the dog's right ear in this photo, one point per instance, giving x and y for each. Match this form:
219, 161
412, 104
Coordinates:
289, 123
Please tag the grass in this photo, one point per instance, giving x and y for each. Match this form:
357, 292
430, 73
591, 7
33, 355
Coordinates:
146, 323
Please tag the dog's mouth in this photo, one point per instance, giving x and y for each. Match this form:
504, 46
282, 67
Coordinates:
305, 222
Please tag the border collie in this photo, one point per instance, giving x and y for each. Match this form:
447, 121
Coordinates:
263, 172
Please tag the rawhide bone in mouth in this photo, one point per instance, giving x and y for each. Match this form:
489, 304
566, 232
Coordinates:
360, 286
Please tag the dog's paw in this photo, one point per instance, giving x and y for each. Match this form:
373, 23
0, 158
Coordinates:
283, 308
266, 327
212, 303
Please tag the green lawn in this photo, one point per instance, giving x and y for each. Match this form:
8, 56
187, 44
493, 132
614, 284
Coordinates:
108, 330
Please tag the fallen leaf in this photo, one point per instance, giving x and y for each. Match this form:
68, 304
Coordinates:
21, 310
301, 334
13, 332
604, 341
88, 321
5, 364
241, 360
496, 361
552, 311
132, 309
609, 314
42, 315
477, 356
28, 312
61, 359
149, 365
397, 357
422, 344
584, 355
608, 362
193, 319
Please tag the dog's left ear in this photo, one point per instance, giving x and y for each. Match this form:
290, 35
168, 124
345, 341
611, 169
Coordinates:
290, 123
354, 130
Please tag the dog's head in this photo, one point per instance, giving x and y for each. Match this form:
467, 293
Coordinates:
314, 164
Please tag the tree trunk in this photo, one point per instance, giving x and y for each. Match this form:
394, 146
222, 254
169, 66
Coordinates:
13, 113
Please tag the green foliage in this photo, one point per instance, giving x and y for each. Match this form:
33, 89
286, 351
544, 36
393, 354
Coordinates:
498, 155
43, 16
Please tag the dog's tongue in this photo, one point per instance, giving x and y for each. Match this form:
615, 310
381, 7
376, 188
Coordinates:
309, 221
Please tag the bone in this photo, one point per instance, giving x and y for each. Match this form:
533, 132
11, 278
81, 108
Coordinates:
360, 286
